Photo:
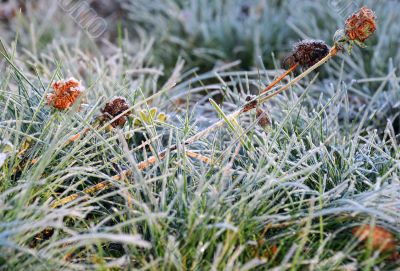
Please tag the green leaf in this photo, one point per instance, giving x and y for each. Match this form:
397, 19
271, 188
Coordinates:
152, 113
162, 117
137, 122
144, 117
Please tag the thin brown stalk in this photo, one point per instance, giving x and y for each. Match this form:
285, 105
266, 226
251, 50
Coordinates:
90, 190
280, 78
197, 156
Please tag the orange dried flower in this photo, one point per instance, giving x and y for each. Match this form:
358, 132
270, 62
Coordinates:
115, 107
380, 238
361, 25
65, 93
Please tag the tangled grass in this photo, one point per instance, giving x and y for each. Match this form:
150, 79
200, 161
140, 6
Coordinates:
283, 197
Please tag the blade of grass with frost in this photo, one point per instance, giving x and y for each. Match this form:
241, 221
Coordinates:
318, 116
41, 103
20, 73
367, 111
304, 239
233, 126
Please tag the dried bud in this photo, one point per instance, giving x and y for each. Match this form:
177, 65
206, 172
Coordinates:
361, 25
306, 53
379, 237
8, 10
42, 236
65, 93
114, 108
250, 104
263, 119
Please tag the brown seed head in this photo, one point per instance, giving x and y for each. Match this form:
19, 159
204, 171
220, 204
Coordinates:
115, 107
250, 104
361, 25
66, 92
380, 238
8, 10
306, 53
263, 119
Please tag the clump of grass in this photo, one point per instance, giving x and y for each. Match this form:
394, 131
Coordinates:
207, 34
236, 198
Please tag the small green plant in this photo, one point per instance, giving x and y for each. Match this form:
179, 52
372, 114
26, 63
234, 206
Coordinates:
148, 117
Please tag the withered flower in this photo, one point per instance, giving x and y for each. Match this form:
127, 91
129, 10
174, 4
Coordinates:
361, 25
65, 94
263, 119
306, 53
380, 238
116, 107
250, 104
8, 10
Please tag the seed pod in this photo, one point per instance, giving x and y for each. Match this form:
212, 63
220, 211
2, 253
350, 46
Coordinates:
263, 119
306, 53
360, 25
65, 94
8, 10
309, 52
115, 107
250, 105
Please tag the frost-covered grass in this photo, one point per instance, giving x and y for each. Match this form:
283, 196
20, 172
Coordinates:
281, 198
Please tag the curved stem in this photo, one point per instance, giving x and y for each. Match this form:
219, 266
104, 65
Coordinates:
276, 81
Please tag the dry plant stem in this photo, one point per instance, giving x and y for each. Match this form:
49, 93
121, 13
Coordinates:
197, 156
107, 184
333, 52
153, 159
90, 190
276, 81
77, 136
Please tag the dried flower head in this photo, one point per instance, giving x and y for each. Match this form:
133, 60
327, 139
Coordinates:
8, 10
306, 53
361, 25
65, 94
42, 236
263, 119
250, 104
379, 237
116, 107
